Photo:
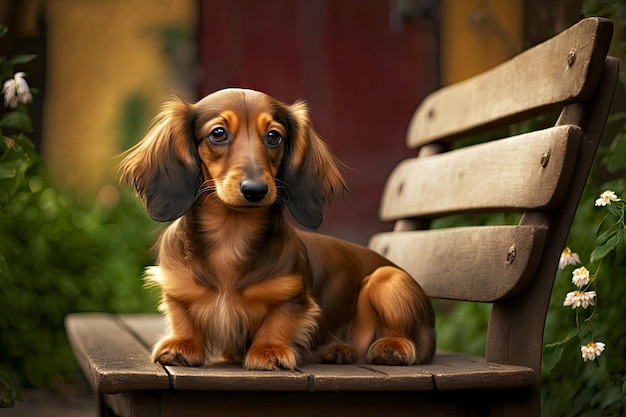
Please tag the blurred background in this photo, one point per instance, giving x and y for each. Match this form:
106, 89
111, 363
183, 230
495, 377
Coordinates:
72, 240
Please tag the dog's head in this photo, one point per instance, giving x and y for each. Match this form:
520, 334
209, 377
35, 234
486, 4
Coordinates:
241, 147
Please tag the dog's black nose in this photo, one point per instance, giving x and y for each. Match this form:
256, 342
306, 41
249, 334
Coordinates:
254, 191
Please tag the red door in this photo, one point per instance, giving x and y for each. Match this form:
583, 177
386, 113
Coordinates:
362, 67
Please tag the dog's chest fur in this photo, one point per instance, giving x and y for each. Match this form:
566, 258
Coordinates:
225, 259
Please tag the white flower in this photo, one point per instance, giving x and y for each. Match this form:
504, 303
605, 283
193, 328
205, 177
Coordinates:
580, 277
591, 351
606, 198
16, 91
568, 258
582, 299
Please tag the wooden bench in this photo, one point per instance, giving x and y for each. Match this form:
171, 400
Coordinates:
540, 175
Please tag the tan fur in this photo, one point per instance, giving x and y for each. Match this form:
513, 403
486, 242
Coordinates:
237, 281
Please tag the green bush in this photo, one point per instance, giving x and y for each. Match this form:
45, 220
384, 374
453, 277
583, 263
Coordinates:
59, 254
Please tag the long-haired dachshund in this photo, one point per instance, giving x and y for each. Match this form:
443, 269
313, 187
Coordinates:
237, 281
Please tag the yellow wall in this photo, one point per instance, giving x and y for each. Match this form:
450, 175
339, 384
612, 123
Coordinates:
477, 35
99, 53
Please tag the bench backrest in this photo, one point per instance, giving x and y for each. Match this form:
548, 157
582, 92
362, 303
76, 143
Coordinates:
540, 175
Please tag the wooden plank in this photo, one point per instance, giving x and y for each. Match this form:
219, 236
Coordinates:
149, 328
455, 371
560, 70
326, 377
114, 359
400, 378
232, 377
466, 263
526, 172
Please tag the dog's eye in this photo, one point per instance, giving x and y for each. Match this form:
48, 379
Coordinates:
218, 135
274, 138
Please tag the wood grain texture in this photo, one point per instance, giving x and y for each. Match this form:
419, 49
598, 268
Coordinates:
149, 328
113, 359
233, 377
466, 263
526, 172
560, 70
367, 378
452, 371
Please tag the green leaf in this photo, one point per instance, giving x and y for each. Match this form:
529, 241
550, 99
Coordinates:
615, 209
552, 354
621, 237
606, 235
22, 59
601, 251
17, 120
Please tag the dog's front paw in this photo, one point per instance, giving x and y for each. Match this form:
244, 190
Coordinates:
172, 351
270, 357
340, 353
392, 351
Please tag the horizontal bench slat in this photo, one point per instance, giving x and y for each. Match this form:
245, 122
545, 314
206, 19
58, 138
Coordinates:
565, 68
148, 330
482, 264
525, 172
326, 377
233, 377
115, 360
452, 371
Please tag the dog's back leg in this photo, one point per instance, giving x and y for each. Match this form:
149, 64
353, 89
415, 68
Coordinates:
395, 321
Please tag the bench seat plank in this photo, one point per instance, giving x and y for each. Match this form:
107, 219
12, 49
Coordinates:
524, 172
454, 371
144, 327
233, 377
327, 377
444, 262
114, 358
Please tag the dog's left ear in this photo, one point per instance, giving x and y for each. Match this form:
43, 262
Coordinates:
312, 174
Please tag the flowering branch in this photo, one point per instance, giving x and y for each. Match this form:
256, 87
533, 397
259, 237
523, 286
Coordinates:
585, 295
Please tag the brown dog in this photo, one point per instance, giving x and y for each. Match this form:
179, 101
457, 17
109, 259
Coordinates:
237, 280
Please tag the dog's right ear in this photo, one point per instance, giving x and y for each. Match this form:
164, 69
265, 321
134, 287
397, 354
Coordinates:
164, 166
310, 171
